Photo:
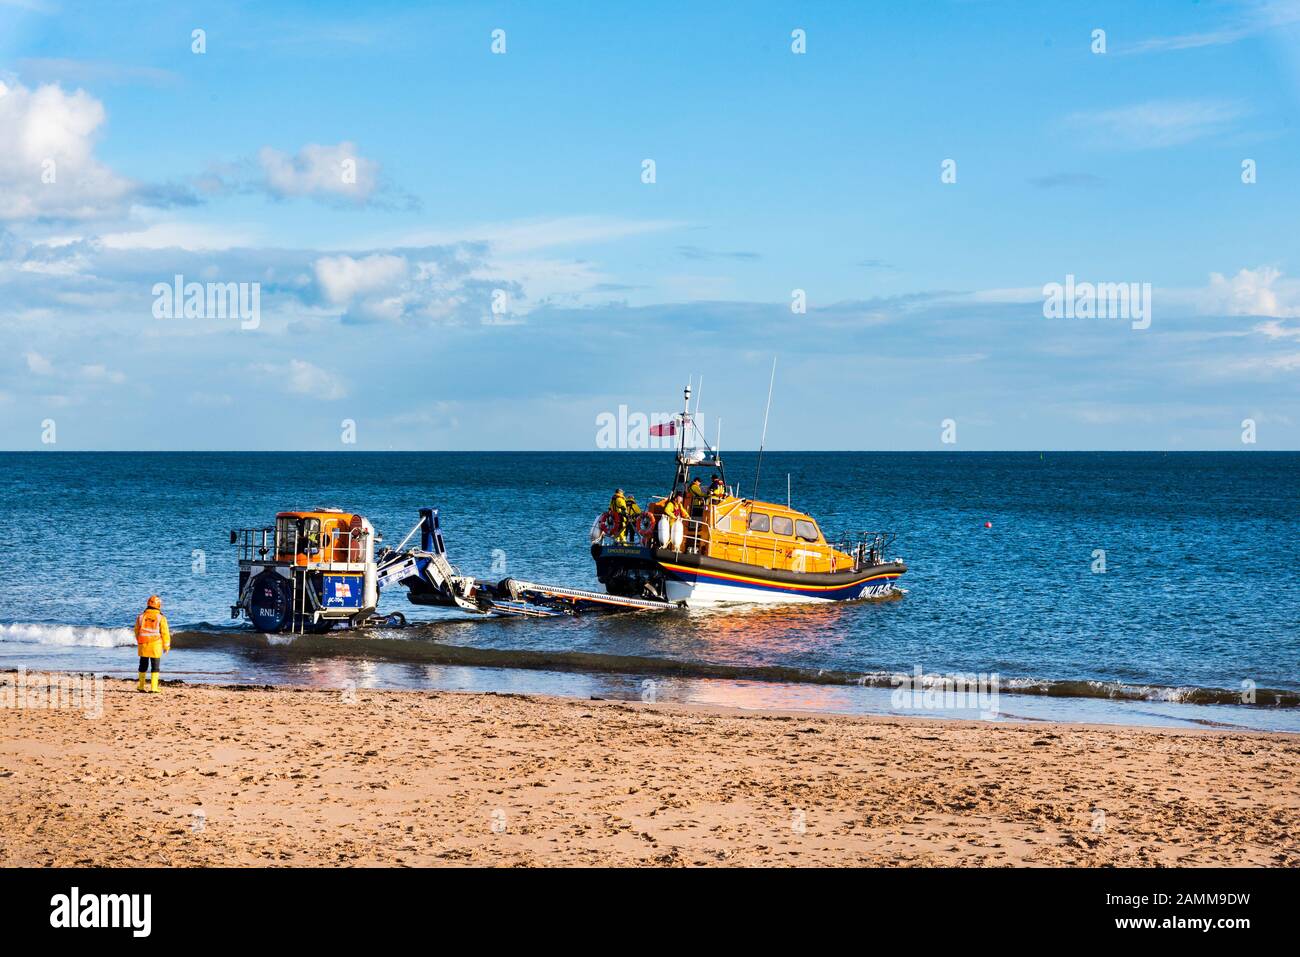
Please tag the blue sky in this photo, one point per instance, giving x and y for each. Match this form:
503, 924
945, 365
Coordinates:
519, 175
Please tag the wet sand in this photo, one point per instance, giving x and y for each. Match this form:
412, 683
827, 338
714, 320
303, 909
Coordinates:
203, 775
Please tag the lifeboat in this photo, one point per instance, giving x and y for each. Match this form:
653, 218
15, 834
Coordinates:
725, 548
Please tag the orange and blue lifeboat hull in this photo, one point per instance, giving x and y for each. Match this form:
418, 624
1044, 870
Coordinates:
699, 580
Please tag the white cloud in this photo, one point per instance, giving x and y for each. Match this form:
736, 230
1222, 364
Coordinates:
344, 278
1277, 330
298, 377
1155, 123
1263, 292
441, 285
37, 364
1259, 17
181, 235
530, 235
1253, 292
49, 134
307, 379
515, 257
99, 373
1256, 365
1010, 295
1285, 363
211, 400
336, 172
554, 281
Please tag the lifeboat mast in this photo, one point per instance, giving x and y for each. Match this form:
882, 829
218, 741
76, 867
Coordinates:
706, 457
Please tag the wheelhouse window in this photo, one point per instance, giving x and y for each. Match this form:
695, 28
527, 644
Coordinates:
782, 525
301, 535
805, 530
286, 539
758, 522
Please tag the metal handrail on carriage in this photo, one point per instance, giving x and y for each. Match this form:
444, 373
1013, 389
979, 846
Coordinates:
267, 545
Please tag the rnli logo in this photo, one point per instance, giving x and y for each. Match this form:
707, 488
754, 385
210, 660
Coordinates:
343, 590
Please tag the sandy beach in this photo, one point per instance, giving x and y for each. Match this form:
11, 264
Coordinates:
204, 775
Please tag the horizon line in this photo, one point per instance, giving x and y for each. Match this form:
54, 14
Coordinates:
48, 451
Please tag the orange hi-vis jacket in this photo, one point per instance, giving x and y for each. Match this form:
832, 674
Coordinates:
152, 636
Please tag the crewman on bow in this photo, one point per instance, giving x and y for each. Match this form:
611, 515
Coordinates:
717, 491
675, 510
618, 508
631, 513
695, 496
153, 639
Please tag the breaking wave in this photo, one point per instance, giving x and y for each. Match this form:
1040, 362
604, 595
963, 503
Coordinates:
77, 636
439, 653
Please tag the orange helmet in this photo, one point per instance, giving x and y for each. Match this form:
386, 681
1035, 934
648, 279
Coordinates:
155, 602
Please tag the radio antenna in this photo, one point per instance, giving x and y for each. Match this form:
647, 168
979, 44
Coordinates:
758, 468
699, 393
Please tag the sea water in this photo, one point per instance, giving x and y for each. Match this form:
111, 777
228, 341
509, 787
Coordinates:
1140, 587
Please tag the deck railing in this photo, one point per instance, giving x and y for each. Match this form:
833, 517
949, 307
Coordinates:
339, 550
867, 548
254, 544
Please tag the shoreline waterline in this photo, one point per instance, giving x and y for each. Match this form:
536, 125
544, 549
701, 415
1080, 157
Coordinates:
241, 657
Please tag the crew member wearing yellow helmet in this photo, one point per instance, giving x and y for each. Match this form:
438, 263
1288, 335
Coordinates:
153, 639
618, 514
630, 517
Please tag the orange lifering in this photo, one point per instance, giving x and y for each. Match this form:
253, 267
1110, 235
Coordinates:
609, 522
645, 526
356, 536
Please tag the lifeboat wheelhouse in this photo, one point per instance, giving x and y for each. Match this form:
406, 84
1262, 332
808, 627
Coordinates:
734, 549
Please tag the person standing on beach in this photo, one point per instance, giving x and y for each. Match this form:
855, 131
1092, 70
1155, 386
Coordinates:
153, 639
